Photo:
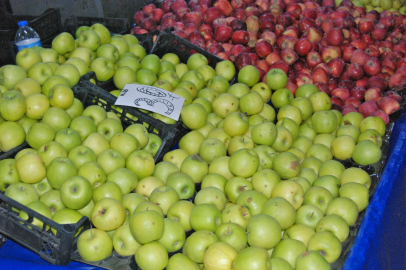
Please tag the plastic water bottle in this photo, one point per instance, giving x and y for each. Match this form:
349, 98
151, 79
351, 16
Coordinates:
26, 37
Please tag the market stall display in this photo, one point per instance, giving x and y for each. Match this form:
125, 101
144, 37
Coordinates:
264, 167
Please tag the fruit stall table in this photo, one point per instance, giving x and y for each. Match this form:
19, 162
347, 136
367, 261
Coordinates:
378, 245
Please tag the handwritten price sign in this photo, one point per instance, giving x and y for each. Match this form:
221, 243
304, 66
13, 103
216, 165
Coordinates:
152, 99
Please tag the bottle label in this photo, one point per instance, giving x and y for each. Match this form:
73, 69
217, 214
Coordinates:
36, 43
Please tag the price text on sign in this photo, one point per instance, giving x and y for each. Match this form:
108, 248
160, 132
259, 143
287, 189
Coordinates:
152, 99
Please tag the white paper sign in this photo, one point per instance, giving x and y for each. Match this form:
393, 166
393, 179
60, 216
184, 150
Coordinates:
152, 99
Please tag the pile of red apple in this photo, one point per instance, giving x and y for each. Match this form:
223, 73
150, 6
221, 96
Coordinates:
353, 56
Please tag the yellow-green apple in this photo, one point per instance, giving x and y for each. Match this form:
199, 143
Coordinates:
12, 105
140, 133
57, 118
28, 57
37, 105
89, 39
366, 153
80, 64
108, 214
236, 214
286, 164
151, 255
331, 167
195, 167
180, 211
304, 105
251, 103
123, 241
194, 116
97, 142
280, 209
103, 67
87, 210
83, 125
51, 82
235, 186
68, 138
120, 43
164, 169
108, 51
137, 50
263, 231
107, 190
30, 168
289, 190
220, 165
40, 72
82, 53
191, 142
356, 192
22, 192
264, 181
69, 72
350, 130
319, 197
289, 249
320, 101
66, 216
102, 31
207, 71
92, 171
164, 196
122, 76
303, 143
225, 69
49, 55
225, 104
141, 163
196, 60
10, 75
290, 125
372, 135
181, 262
111, 160
197, 243
8, 173
51, 150
124, 178
63, 43
320, 151
149, 206
334, 224
299, 232
11, 135
146, 226
310, 260
283, 139
219, 255
214, 180
309, 215
240, 142
76, 192
266, 155
40, 208
26, 123
212, 148
238, 89
344, 207
329, 182
211, 195
324, 122
356, 175
94, 245
80, 155
244, 163
324, 139
60, 169
61, 96
312, 163
205, 217
174, 236
232, 234
326, 244
28, 86
253, 200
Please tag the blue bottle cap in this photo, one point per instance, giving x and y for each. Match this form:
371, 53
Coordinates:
22, 23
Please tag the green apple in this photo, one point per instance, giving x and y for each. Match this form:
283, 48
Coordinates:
83, 125
149, 206
123, 241
151, 62
334, 224
343, 147
282, 97
331, 167
372, 135
26, 123
306, 90
355, 175
120, 43
164, 196
276, 79
264, 90
40, 208
220, 165
82, 53
180, 261
80, 155
180, 211
171, 57
248, 75
97, 142
196, 60
146, 226
306, 130
219, 255
37, 105
51, 150
327, 244
151, 255
12, 105
264, 181
30, 168
350, 130
320, 101
253, 200
240, 142
28, 86
182, 184
10, 75
103, 67
107, 190
51, 82
140, 133
89, 39
356, 192
108, 127
244, 163
289, 125
232, 234
345, 208
102, 31
311, 260
239, 90
225, 69
214, 180
318, 196
94, 245
290, 112
303, 143
309, 215
312, 163
366, 153
195, 167
299, 232
251, 103
320, 151
108, 51
63, 43
60, 169
27, 58
68, 138
266, 155
211, 195
205, 217
289, 190
138, 50
225, 104
80, 64
324, 122
352, 118
87, 210
174, 236
197, 79
263, 231
69, 72
207, 71
304, 105
235, 186
8, 173
147, 185
329, 182
49, 55
289, 249
61, 96
141, 163
324, 139
80, 30
235, 124
76, 192
212, 148
181, 69
146, 77
286, 164
22, 192
236, 214
108, 214
197, 243
218, 83
39, 134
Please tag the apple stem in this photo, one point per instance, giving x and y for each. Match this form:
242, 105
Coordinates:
91, 231
311, 215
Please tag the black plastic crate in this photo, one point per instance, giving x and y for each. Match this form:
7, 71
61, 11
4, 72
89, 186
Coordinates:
54, 249
171, 43
91, 94
46, 25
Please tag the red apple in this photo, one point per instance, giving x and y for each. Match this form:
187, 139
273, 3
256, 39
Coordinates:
372, 66
303, 78
139, 16
342, 93
337, 100
242, 60
373, 94
181, 34
355, 71
252, 23
149, 8
353, 101
269, 36
236, 50
273, 58
303, 46
215, 48
388, 105
238, 4
335, 37
281, 65
192, 17
263, 48
224, 6
148, 24
252, 11
365, 26
267, 25
376, 81
223, 55
223, 33
367, 108
306, 23
393, 95
337, 66
238, 24
320, 75
382, 114
289, 56
211, 14
166, 5
263, 5
177, 4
